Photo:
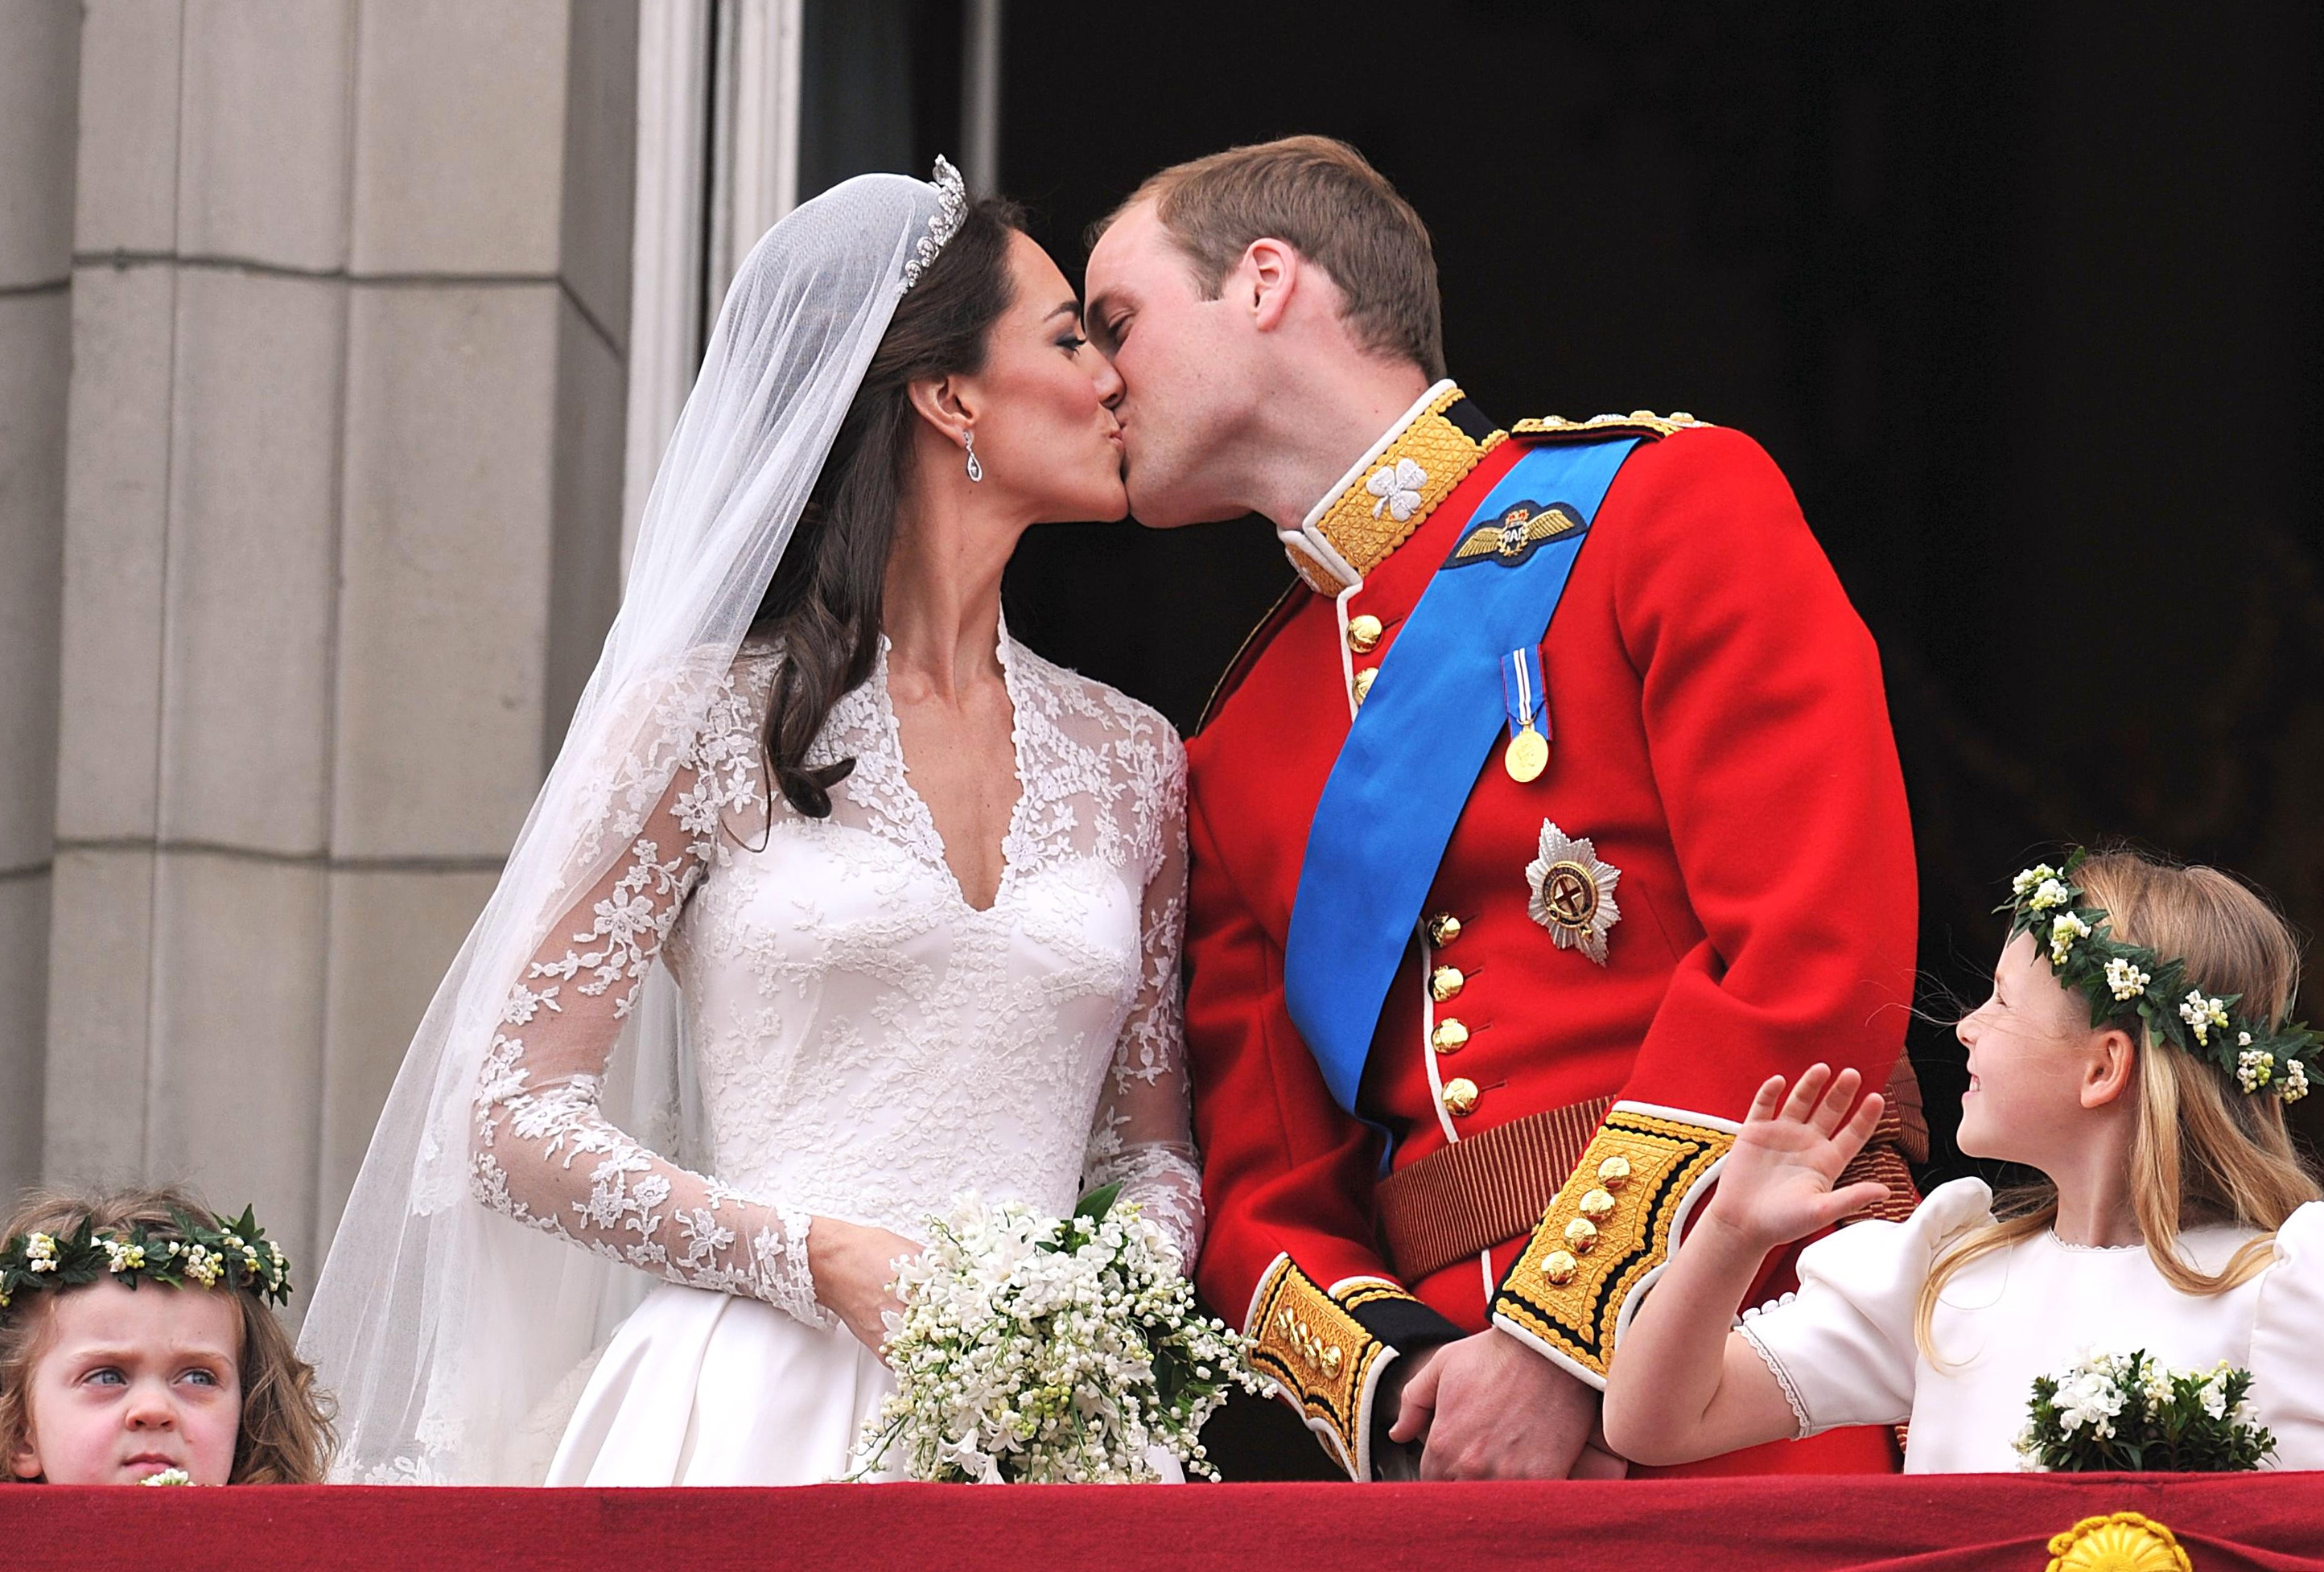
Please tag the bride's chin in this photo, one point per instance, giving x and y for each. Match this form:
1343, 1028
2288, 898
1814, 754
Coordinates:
1107, 508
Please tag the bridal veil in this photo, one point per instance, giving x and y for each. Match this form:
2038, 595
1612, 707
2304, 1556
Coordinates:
441, 1327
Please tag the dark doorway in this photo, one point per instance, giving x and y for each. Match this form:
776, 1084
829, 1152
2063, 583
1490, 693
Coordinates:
2022, 298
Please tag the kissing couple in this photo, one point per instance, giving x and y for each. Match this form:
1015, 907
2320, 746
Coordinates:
1416, 998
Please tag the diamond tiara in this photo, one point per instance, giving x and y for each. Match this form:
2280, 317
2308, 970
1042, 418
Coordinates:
952, 207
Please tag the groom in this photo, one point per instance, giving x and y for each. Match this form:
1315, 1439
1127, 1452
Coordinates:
1552, 810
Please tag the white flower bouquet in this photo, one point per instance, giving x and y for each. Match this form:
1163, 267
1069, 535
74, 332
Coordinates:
1042, 1350
2124, 1411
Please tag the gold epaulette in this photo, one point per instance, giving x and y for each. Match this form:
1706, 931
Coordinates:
1610, 1229
1643, 423
1322, 1359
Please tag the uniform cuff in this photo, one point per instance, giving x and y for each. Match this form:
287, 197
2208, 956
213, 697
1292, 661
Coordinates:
1326, 1352
1607, 1235
1393, 1316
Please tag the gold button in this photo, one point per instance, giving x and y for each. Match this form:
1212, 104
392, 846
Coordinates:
1449, 1037
1442, 929
1445, 983
1460, 1097
1614, 1172
1580, 1235
1559, 1266
1598, 1206
1363, 634
1364, 680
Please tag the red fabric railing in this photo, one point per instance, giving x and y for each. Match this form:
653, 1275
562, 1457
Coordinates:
1974, 1522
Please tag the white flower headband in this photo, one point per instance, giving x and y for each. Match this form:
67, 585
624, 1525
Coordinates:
240, 1255
2121, 978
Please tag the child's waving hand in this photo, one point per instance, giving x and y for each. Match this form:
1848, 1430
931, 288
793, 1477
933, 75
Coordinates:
1777, 1185
1708, 1391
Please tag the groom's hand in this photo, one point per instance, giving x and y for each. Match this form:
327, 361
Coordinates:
1490, 1408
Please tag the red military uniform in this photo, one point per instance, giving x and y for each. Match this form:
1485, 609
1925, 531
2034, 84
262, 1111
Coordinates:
1720, 736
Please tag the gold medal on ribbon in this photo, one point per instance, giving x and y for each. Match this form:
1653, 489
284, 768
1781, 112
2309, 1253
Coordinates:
1528, 756
1529, 751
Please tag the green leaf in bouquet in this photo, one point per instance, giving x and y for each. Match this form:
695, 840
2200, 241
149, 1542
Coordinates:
1171, 1372
1098, 1202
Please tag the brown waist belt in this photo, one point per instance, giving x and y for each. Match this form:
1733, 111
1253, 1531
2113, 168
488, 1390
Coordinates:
1492, 1187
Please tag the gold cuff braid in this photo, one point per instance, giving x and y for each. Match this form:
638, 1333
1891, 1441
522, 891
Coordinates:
1320, 1357
1613, 1223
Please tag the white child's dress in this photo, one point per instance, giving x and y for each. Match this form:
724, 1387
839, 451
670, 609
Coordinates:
1843, 1348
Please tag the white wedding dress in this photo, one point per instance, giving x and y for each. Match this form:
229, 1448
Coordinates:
865, 1044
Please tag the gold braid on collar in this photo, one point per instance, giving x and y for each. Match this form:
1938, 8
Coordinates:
1385, 499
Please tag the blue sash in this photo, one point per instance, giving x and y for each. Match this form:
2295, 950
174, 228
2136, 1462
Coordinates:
1413, 753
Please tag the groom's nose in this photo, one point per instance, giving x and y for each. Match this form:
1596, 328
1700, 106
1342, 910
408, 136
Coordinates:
1109, 385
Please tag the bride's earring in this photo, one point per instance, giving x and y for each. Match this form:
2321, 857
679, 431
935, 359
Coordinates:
975, 469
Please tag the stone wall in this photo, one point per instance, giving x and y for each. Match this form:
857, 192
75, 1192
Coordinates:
40, 42
340, 508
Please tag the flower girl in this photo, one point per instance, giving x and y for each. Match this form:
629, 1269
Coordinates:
136, 1347
2135, 1051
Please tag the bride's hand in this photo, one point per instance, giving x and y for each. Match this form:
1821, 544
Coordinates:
1777, 1185
853, 1267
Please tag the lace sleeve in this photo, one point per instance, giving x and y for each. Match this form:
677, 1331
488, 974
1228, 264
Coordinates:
1143, 1136
543, 1153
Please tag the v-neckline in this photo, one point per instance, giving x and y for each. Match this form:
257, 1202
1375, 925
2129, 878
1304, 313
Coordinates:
924, 817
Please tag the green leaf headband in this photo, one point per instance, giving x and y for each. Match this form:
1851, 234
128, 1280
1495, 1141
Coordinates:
238, 1255
2120, 977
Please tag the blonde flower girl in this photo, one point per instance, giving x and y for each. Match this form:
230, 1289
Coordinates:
2136, 1052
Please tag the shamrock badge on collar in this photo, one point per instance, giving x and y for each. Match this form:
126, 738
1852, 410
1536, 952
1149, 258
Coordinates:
1572, 892
1398, 487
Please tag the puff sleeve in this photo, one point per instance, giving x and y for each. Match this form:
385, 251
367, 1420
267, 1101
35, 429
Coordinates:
1842, 1346
2287, 1376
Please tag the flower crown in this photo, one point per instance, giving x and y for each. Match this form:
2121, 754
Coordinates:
952, 207
2120, 977
239, 1256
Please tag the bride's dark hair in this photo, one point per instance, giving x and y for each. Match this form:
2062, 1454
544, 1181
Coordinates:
823, 605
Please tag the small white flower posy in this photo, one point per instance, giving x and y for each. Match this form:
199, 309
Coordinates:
167, 1476
1398, 487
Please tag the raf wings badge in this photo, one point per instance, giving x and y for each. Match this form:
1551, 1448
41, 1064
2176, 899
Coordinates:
1522, 528
1572, 892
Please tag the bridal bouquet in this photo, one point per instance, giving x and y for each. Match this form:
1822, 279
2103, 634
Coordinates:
2126, 1411
1043, 1350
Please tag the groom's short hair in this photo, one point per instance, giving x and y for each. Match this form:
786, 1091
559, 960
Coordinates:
1320, 197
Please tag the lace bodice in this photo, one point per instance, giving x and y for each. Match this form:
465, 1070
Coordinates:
867, 1044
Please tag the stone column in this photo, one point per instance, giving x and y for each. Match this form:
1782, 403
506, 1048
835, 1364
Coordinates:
39, 46
342, 534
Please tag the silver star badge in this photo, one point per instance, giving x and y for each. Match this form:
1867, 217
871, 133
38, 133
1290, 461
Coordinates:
1572, 892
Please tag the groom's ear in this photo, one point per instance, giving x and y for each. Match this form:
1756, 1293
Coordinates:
1266, 279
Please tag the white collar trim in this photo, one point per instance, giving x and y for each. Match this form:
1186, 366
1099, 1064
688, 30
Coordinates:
1309, 539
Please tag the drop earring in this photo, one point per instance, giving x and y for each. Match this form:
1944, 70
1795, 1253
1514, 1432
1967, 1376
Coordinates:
975, 469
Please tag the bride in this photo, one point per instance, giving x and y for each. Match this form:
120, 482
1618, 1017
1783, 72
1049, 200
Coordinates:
916, 891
